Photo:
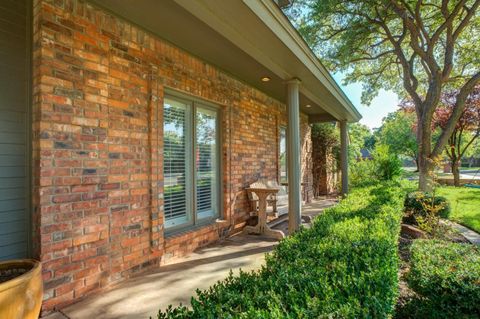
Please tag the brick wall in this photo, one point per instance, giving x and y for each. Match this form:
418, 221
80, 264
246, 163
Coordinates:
98, 93
306, 148
306, 159
325, 169
325, 165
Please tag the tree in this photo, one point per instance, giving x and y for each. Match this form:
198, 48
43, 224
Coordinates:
398, 132
359, 137
417, 48
466, 130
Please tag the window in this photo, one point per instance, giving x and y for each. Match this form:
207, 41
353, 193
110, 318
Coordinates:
282, 160
191, 162
206, 162
177, 157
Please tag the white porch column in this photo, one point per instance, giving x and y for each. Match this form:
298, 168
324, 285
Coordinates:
344, 155
293, 156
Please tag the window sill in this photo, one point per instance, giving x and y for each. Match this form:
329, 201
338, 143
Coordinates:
180, 231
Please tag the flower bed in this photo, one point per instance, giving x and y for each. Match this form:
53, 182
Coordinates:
344, 266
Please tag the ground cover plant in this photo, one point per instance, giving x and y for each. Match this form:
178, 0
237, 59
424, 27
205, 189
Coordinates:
445, 277
345, 265
465, 205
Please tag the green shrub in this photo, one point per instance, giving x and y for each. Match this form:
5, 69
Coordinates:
344, 266
362, 173
414, 207
446, 275
384, 166
387, 164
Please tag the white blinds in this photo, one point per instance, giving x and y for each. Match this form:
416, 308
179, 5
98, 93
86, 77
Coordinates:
175, 162
191, 162
283, 155
206, 162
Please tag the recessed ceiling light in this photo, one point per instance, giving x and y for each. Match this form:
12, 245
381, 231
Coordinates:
308, 105
265, 79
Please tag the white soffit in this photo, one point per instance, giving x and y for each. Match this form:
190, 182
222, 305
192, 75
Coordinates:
260, 29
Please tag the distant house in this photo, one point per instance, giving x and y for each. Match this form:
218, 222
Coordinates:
130, 129
366, 154
471, 161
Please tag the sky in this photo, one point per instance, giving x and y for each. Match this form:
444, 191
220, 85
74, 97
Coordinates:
373, 114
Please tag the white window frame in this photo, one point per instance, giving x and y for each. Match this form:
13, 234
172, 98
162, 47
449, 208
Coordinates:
194, 218
186, 220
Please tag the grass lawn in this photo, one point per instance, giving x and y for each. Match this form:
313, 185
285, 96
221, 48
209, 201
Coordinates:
409, 173
465, 204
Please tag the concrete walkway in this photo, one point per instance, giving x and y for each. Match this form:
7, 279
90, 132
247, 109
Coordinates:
143, 296
469, 234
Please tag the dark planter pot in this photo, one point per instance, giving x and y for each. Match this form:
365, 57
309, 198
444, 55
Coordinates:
21, 289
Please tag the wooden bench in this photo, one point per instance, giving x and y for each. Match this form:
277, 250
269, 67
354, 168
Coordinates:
277, 204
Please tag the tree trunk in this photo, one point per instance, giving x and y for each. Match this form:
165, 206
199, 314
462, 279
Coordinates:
425, 163
415, 159
425, 172
455, 164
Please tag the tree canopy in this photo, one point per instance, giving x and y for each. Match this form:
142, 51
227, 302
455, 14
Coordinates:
381, 43
359, 138
416, 48
398, 131
466, 131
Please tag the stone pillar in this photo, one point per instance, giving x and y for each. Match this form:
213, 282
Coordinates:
293, 156
344, 155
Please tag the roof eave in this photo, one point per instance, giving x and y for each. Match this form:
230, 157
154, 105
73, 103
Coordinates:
311, 61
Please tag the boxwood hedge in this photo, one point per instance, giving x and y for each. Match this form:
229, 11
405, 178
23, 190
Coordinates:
345, 265
446, 276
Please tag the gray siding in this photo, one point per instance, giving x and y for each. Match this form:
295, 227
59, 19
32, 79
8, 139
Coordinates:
14, 122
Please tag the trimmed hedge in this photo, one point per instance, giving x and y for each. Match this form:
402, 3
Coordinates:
446, 275
345, 265
413, 206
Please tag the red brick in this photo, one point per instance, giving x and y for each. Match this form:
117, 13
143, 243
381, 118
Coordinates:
118, 104
64, 299
69, 287
110, 186
119, 148
83, 188
86, 290
67, 198
68, 268
103, 144
86, 121
88, 238
82, 255
92, 269
66, 163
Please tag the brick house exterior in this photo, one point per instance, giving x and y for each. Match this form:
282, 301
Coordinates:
99, 85
96, 134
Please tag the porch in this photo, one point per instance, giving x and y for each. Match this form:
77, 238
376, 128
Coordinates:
130, 131
144, 295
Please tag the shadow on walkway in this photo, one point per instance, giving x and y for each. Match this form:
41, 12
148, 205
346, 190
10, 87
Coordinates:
143, 296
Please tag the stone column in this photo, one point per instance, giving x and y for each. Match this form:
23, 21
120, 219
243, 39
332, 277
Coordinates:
344, 155
293, 156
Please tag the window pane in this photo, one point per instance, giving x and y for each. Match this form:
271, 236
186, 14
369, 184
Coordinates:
206, 163
283, 155
175, 161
